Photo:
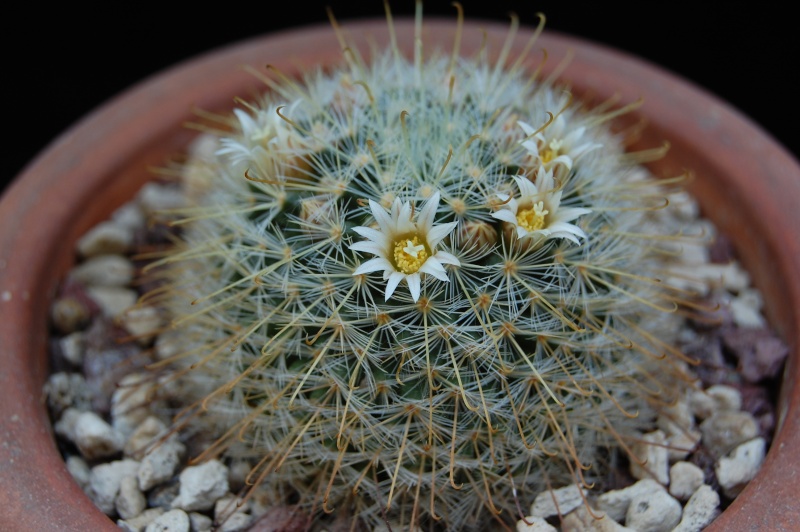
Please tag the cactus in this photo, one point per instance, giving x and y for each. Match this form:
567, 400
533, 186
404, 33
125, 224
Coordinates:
421, 290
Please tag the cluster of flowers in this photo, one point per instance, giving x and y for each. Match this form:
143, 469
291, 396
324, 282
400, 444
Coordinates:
405, 249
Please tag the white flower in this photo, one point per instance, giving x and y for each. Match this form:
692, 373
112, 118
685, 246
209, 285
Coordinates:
260, 134
554, 145
403, 248
537, 213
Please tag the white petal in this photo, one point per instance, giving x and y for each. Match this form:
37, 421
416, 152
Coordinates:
373, 234
568, 236
562, 228
544, 180
508, 202
574, 135
435, 268
527, 128
425, 218
531, 146
567, 215
446, 258
505, 215
404, 225
395, 211
414, 285
392, 282
526, 188
584, 149
436, 234
382, 217
369, 247
249, 126
530, 135
561, 159
556, 127
400, 219
536, 238
553, 201
374, 265
404, 217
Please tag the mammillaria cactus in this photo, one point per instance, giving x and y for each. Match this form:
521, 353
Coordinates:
422, 289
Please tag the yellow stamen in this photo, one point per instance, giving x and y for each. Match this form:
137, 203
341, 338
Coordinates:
532, 219
409, 254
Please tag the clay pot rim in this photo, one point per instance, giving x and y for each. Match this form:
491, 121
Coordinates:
38, 227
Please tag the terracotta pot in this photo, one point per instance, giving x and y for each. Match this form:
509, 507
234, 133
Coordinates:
745, 182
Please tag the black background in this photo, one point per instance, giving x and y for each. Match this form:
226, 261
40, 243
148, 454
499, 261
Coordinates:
59, 65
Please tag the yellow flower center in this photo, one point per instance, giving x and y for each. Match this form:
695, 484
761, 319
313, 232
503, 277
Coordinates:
551, 152
532, 219
409, 254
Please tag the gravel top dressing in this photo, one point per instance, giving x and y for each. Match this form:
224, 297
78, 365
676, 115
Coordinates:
108, 410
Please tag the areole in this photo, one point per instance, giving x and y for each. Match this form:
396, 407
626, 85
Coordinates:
107, 155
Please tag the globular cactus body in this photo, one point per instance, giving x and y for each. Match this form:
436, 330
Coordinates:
421, 289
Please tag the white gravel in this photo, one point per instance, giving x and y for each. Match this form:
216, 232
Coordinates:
201, 486
130, 500
653, 462
700, 511
725, 430
685, 478
656, 511
160, 464
113, 300
740, 467
581, 520
104, 270
94, 437
105, 238
560, 501
172, 521
105, 480
615, 503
